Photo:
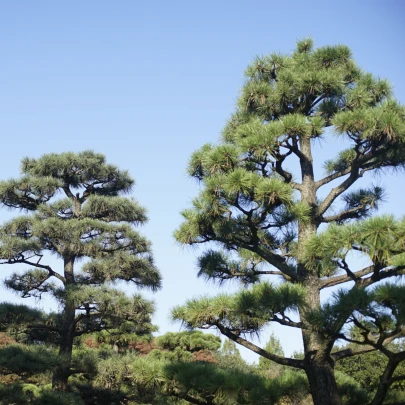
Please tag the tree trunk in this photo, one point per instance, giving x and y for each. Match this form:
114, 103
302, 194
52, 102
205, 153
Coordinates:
322, 383
62, 371
319, 365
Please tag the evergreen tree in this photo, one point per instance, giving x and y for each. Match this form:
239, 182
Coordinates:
229, 357
75, 211
269, 219
268, 367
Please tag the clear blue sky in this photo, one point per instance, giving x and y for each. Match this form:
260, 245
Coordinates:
147, 83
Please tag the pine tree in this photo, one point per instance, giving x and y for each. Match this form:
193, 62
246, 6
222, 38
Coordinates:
75, 211
266, 219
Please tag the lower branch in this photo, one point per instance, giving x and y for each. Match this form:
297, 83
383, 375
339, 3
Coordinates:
332, 281
285, 361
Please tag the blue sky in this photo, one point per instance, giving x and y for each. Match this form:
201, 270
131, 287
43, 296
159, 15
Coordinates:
147, 83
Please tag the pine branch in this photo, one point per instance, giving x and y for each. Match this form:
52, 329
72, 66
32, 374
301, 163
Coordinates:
331, 177
317, 100
350, 276
350, 352
397, 378
347, 214
286, 321
337, 191
287, 176
275, 260
368, 344
364, 282
361, 348
43, 326
285, 361
68, 193
360, 165
272, 258
52, 273
383, 274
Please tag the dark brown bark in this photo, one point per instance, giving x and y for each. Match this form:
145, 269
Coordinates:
62, 370
322, 382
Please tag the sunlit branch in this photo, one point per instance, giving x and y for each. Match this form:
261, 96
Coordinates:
38, 265
285, 321
350, 276
347, 214
285, 361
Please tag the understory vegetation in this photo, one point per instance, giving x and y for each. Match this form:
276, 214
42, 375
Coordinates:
187, 367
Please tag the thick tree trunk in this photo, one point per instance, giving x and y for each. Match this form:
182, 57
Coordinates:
322, 383
318, 363
62, 371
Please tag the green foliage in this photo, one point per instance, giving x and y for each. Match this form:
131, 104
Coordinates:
76, 209
244, 312
21, 359
380, 238
296, 224
19, 321
367, 369
351, 390
269, 368
189, 341
24, 394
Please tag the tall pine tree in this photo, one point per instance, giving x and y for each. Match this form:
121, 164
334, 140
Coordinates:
75, 211
267, 212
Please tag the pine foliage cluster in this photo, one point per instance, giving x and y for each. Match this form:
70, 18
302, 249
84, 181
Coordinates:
266, 210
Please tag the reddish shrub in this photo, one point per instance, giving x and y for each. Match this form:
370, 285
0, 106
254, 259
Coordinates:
6, 340
204, 355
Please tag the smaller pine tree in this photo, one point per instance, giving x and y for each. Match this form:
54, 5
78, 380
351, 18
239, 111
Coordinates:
76, 210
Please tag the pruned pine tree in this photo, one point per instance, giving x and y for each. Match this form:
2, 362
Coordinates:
75, 210
266, 211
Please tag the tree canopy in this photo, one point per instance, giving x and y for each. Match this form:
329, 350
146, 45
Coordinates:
265, 210
76, 209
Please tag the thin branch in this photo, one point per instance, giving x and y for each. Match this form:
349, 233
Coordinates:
255, 272
386, 379
356, 276
287, 176
331, 177
397, 378
43, 326
347, 214
337, 191
274, 259
45, 267
359, 166
350, 352
285, 361
368, 345
287, 322
68, 193
383, 274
